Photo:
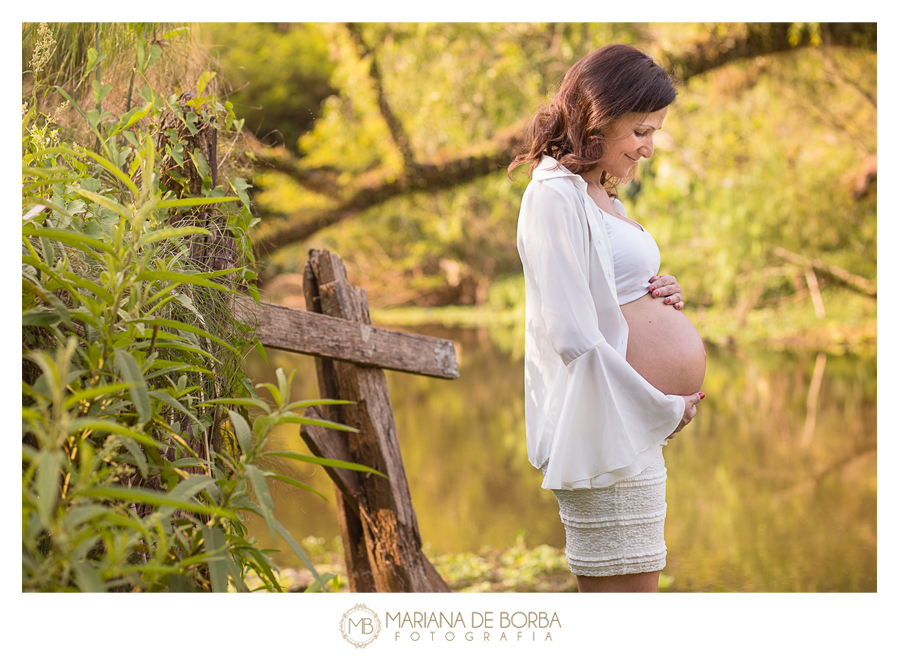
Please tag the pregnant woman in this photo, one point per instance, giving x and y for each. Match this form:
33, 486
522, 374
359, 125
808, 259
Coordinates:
613, 367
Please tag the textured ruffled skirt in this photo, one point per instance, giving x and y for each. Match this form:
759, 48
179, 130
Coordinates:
618, 529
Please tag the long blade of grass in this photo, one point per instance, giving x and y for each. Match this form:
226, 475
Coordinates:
235, 574
263, 497
321, 461
47, 484
170, 234
39, 318
140, 460
153, 498
103, 162
179, 343
304, 420
241, 430
44, 171
47, 204
309, 403
48, 181
216, 273
87, 284
186, 489
241, 402
93, 392
315, 586
300, 553
104, 201
179, 368
180, 277
131, 372
87, 578
111, 427
196, 201
298, 484
182, 326
70, 238
216, 552
162, 396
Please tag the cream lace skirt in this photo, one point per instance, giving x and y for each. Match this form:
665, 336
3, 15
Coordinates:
617, 529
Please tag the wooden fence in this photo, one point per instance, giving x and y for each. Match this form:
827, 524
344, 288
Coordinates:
382, 544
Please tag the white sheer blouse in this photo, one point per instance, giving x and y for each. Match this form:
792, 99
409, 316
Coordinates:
590, 418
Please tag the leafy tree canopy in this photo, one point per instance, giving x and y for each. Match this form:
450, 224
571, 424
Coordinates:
404, 172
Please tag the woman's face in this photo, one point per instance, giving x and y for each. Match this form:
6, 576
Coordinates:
628, 140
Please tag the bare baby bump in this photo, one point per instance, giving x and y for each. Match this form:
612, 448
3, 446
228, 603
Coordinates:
664, 346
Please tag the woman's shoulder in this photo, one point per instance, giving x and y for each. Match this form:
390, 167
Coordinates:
552, 205
552, 190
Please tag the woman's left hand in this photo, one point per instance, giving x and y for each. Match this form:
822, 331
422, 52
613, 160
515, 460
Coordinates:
667, 288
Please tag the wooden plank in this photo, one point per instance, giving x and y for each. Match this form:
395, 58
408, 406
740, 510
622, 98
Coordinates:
316, 334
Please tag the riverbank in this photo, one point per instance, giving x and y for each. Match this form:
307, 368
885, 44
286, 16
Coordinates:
847, 325
515, 568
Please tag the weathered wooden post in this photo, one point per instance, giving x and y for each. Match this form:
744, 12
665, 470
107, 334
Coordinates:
378, 523
382, 544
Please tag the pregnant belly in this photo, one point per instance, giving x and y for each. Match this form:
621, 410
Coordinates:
664, 346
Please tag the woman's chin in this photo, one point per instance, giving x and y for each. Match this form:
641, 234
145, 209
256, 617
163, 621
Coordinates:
625, 173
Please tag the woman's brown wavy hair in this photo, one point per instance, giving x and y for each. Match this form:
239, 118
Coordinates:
607, 84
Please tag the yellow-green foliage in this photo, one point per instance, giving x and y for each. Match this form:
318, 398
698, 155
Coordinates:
143, 442
276, 74
756, 154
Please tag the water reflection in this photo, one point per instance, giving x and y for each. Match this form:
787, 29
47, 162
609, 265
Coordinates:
772, 487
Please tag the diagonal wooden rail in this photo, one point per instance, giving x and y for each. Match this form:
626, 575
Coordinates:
382, 544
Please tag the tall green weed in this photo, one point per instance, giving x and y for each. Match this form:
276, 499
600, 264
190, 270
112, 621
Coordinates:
144, 445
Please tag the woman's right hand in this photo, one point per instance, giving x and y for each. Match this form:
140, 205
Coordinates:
690, 410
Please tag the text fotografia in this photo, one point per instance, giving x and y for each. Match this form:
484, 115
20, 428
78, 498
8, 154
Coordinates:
479, 626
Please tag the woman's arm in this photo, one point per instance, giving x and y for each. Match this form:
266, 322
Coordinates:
554, 247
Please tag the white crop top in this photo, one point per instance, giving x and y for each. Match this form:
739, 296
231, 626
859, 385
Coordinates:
635, 256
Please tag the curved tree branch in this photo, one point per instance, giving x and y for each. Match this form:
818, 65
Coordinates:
280, 159
397, 133
434, 175
762, 39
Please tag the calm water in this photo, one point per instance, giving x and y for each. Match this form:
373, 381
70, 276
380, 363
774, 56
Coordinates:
762, 496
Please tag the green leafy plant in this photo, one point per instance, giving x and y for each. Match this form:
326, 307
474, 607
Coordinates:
143, 442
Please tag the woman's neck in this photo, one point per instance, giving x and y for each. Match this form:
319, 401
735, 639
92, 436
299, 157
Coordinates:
600, 196
595, 189
592, 177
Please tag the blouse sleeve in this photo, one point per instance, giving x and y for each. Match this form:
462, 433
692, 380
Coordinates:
605, 413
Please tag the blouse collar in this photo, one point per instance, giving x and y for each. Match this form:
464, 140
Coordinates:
550, 168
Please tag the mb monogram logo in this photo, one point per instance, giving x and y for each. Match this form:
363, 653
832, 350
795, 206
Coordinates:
360, 626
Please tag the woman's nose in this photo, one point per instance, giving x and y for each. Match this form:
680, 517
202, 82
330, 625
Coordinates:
646, 149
